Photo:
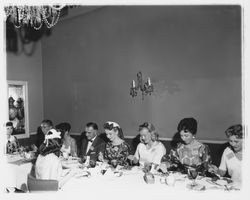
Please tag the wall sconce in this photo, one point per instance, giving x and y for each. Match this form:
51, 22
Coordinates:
145, 87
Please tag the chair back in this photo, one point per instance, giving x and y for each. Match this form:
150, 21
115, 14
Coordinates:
40, 185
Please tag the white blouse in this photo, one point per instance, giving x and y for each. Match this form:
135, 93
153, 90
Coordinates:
48, 167
152, 155
230, 163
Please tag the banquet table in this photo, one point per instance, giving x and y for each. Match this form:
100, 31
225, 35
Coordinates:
130, 180
16, 170
133, 181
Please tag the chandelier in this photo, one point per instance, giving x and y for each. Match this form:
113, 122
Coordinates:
145, 87
34, 16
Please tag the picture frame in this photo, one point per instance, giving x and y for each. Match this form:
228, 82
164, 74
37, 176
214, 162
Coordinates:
18, 107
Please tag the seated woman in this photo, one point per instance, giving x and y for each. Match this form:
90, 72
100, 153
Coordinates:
69, 144
48, 165
149, 150
12, 142
188, 153
116, 150
232, 155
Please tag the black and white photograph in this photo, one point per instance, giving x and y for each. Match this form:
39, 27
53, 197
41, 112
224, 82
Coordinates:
144, 100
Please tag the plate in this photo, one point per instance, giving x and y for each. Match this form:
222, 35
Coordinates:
81, 174
197, 187
221, 182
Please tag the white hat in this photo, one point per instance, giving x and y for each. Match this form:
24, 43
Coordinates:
55, 134
113, 123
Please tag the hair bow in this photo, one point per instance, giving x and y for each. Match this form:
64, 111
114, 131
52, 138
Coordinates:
113, 123
55, 134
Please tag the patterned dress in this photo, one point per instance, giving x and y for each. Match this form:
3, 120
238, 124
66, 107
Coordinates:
196, 155
117, 152
12, 144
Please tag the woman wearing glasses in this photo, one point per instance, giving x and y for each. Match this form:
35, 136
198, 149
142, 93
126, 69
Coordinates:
189, 152
149, 150
116, 150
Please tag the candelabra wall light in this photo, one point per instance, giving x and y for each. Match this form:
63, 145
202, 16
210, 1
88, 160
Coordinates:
145, 87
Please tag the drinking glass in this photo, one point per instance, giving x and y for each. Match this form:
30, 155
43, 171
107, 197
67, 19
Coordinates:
147, 167
193, 173
114, 163
92, 163
65, 155
170, 179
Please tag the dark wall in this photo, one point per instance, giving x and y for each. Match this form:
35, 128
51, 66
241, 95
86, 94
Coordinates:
26, 142
191, 53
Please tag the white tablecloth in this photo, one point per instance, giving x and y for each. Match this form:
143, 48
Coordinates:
131, 181
16, 171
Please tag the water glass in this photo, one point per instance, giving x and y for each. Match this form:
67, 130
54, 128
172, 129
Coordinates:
170, 180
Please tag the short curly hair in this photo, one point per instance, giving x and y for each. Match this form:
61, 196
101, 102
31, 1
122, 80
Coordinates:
235, 130
151, 129
188, 124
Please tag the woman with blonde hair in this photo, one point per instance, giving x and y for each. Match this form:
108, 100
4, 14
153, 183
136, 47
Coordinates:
149, 150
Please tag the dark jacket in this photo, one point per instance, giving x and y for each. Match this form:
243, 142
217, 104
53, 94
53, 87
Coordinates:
97, 146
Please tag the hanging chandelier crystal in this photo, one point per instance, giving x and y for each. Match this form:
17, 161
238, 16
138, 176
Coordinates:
34, 16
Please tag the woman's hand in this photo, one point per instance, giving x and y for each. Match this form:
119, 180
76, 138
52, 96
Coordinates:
132, 159
101, 157
213, 169
164, 167
73, 171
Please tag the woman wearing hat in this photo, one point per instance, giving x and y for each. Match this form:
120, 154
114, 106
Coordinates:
116, 150
48, 165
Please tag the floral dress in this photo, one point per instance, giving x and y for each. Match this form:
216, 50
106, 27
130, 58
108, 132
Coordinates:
117, 152
196, 155
12, 144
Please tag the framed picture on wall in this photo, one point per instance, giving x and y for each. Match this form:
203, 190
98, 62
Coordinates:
18, 107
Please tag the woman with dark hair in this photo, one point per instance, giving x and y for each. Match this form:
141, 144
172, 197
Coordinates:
116, 150
232, 155
149, 150
48, 165
69, 144
12, 142
188, 153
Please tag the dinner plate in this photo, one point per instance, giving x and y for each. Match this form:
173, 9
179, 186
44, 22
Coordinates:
71, 164
197, 187
81, 174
